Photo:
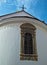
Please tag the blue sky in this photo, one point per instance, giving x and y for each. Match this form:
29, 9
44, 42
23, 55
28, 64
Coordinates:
37, 8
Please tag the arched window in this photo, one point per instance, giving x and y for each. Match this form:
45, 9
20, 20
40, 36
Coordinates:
28, 42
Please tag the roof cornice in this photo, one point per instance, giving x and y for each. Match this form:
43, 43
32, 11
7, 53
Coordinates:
20, 16
24, 17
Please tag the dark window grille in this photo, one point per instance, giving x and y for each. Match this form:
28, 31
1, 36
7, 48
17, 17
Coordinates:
28, 44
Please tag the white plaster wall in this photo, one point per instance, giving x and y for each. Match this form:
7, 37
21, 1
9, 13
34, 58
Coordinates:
10, 47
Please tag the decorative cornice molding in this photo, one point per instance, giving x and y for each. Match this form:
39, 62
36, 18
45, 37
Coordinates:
23, 17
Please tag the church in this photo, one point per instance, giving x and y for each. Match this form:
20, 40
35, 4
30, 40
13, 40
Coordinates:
23, 39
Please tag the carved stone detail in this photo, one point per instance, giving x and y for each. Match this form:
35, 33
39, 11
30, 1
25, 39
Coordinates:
28, 28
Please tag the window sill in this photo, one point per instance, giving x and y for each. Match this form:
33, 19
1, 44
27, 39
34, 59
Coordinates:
32, 57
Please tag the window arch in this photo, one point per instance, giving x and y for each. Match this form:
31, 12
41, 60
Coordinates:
28, 42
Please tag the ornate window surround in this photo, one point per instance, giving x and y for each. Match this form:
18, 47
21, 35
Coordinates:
28, 28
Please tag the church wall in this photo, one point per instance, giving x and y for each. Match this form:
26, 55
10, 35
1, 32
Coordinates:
10, 40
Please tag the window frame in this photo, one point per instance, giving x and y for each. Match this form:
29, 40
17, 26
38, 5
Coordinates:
28, 28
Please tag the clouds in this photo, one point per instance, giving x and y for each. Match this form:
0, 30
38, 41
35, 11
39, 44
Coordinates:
2, 1
19, 2
27, 3
34, 1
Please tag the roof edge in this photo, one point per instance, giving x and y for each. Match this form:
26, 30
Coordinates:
23, 16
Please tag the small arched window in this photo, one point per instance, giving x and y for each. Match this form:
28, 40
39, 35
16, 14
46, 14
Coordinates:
28, 42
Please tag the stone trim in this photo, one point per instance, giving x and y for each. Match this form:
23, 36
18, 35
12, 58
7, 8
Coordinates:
33, 57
